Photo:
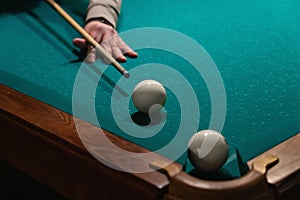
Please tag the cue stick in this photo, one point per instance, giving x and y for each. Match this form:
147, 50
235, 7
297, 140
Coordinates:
87, 36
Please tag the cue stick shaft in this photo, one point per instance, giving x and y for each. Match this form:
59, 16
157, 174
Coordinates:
87, 36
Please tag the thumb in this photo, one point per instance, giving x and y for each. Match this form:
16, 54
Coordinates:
80, 43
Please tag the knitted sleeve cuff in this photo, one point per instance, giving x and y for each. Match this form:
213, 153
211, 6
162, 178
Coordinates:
107, 9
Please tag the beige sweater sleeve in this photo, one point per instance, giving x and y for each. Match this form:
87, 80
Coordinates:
108, 9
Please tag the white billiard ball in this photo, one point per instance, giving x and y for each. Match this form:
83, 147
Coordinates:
208, 150
149, 94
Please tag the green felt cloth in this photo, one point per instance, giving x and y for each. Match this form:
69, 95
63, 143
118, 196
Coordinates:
255, 46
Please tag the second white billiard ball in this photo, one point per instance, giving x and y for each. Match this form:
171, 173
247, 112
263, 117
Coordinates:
149, 95
208, 150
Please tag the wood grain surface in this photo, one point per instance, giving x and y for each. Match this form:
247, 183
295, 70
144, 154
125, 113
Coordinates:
42, 141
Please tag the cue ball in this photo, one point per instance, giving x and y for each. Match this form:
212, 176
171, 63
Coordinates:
149, 93
208, 150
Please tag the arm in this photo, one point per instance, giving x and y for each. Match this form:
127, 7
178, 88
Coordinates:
106, 9
101, 20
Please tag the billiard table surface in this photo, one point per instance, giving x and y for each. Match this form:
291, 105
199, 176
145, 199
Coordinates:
246, 87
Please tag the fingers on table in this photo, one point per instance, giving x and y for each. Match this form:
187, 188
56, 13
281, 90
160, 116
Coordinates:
126, 50
113, 45
91, 54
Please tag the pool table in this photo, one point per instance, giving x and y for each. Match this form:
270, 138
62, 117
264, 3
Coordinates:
232, 67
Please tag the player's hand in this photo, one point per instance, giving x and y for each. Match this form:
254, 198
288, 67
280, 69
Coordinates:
108, 38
